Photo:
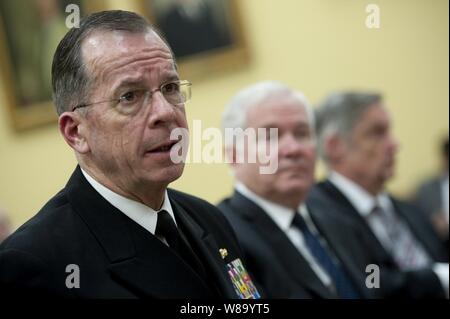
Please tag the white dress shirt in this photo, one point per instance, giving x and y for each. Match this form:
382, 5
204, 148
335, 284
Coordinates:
364, 203
138, 212
282, 217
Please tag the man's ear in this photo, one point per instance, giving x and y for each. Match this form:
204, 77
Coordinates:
70, 126
335, 148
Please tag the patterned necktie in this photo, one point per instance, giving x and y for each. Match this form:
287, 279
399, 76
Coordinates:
406, 251
343, 285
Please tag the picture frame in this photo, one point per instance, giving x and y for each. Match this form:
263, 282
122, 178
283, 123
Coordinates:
26, 84
29, 34
214, 42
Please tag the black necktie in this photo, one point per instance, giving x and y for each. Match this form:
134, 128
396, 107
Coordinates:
166, 228
343, 285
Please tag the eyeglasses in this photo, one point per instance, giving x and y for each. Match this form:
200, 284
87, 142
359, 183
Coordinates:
175, 93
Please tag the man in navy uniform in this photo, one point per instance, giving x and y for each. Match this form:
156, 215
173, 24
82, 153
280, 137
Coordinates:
115, 224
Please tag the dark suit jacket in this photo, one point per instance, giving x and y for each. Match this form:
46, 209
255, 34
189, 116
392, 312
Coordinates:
393, 281
429, 196
275, 262
116, 257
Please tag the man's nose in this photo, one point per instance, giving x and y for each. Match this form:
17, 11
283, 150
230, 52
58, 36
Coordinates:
290, 146
393, 144
161, 111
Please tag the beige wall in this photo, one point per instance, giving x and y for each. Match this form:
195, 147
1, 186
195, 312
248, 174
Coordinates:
313, 45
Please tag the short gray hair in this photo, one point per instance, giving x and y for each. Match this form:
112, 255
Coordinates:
235, 113
70, 79
339, 113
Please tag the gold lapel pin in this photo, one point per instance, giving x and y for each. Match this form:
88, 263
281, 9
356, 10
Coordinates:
223, 252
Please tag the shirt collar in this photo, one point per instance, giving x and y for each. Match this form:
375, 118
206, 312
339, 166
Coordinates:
358, 197
281, 215
138, 212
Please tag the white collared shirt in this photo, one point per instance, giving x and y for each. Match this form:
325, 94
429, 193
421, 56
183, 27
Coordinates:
282, 217
138, 212
365, 202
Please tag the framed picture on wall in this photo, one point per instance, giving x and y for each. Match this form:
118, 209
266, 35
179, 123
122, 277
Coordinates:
205, 35
29, 34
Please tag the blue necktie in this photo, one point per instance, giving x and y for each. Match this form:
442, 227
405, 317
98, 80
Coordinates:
343, 285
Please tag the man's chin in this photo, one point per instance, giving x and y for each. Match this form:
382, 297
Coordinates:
383, 179
166, 174
297, 188
389, 174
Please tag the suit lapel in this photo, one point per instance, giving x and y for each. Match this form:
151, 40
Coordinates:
156, 270
417, 228
401, 209
347, 209
342, 243
207, 250
138, 260
286, 252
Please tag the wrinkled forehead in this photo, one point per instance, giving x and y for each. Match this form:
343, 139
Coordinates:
106, 51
